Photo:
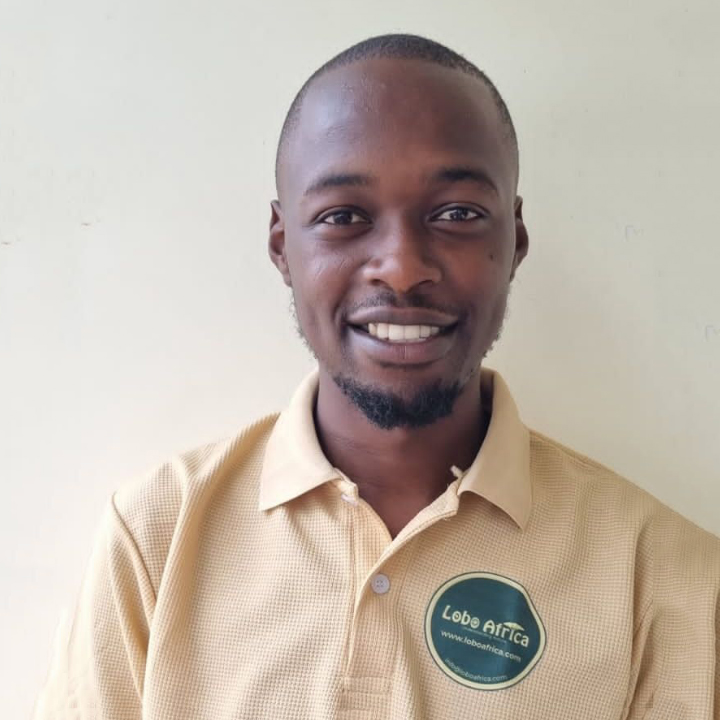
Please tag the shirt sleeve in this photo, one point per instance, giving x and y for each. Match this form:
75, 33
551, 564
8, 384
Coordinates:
676, 653
644, 669
98, 661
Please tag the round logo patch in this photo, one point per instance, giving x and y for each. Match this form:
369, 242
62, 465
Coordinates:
483, 631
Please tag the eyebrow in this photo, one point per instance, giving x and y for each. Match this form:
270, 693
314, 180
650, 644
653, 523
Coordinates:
459, 174
443, 175
332, 180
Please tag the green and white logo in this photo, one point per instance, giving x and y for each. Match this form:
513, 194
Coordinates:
484, 631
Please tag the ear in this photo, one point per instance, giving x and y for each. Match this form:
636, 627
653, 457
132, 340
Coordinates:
276, 243
521, 237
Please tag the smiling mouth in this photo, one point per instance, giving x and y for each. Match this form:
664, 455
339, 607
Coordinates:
403, 334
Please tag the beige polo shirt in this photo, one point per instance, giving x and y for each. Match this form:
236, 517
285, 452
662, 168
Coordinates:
247, 579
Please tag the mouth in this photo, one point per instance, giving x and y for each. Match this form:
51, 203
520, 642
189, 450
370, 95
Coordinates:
389, 344
398, 334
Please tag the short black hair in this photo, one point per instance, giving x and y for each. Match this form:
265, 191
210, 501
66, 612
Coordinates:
401, 46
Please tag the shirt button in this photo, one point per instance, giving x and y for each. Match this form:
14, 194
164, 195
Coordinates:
380, 584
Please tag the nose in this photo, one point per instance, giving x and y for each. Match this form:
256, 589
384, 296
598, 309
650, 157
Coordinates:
402, 258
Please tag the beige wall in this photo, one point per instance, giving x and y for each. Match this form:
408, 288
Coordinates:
140, 314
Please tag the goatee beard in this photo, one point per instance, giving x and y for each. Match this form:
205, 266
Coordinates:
387, 410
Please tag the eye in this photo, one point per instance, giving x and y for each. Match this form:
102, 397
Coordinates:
458, 214
341, 217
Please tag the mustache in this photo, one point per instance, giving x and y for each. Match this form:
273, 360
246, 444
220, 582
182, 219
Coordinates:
410, 302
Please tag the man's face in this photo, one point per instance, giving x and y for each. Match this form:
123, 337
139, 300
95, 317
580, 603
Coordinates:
378, 221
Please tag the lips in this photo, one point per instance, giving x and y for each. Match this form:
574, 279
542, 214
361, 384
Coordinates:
385, 352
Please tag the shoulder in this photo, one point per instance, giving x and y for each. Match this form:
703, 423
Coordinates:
155, 503
558, 469
683, 548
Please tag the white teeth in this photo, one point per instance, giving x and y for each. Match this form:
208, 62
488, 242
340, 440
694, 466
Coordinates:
396, 332
401, 333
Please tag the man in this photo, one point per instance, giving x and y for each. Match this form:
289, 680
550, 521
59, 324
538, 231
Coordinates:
396, 543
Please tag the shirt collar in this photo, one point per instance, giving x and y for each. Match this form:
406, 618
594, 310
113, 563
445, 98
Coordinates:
294, 462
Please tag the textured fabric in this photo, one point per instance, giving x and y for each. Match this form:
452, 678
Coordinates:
248, 579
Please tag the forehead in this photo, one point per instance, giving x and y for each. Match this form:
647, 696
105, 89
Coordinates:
399, 116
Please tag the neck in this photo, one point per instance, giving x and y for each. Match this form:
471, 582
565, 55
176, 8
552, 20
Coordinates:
406, 465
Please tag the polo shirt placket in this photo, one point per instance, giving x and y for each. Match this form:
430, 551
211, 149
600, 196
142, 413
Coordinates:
381, 565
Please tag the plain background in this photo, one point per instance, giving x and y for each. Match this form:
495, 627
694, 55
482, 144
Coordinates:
140, 315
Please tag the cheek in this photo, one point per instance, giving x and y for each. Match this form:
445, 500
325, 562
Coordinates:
313, 262
480, 275
320, 283
324, 277
481, 282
